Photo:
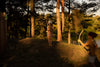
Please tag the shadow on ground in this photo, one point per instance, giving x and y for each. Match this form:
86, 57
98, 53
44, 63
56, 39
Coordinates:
32, 53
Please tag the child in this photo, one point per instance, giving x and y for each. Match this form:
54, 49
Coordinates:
49, 32
92, 47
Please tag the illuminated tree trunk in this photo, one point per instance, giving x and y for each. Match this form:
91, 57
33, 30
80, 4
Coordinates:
59, 35
32, 17
69, 26
32, 26
69, 31
63, 16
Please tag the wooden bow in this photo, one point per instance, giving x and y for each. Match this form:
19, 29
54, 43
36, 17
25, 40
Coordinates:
86, 48
80, 34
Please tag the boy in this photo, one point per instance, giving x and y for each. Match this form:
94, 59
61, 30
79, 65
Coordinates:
92, 47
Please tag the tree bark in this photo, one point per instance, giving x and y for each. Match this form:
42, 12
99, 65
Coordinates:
69, 31
3, 32
32, 18
63, 17
32, 26
59, 35
69, 26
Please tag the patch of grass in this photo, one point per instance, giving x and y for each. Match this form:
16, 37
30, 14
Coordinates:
76, 54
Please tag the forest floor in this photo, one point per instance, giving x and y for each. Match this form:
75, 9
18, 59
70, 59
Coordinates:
30, 52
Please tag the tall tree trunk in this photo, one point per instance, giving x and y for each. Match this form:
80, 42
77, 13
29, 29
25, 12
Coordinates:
59, 35
32, 17
69, 26
3, 32
69, 31
63, 17
32, 26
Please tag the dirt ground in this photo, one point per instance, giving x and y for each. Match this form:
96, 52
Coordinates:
30, 52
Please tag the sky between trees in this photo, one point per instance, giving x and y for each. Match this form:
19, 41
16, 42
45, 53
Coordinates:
78, 1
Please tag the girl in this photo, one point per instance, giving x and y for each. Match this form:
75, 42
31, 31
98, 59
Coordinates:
49, 32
